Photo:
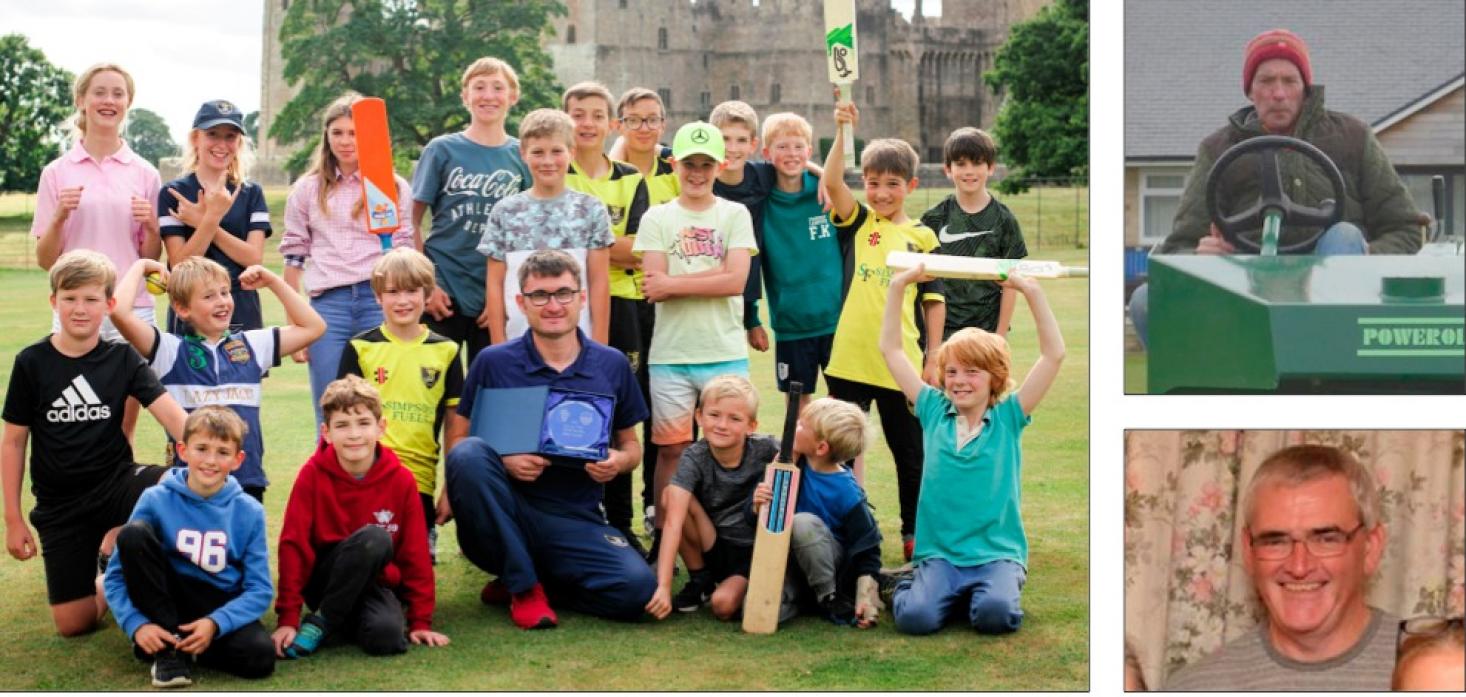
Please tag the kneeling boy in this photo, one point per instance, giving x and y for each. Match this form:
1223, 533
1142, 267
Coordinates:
709, 520
191, 576
835, 543
353, 540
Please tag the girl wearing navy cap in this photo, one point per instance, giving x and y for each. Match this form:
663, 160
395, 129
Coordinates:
214, 210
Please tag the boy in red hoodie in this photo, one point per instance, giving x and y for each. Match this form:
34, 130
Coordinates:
351, 547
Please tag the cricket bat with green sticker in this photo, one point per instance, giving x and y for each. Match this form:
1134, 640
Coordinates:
981, 268
843, 61
378, 180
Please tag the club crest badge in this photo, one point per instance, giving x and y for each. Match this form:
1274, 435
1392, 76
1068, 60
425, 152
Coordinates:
430, 376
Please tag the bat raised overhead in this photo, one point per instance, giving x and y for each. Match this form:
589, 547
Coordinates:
982, 268
843, 60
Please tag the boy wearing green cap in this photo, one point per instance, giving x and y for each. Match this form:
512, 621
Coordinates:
695, 255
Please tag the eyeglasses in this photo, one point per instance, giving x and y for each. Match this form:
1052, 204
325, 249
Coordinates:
636, 122
541, 298
1320, 543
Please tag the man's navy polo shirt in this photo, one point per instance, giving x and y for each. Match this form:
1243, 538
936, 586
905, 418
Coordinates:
598, 368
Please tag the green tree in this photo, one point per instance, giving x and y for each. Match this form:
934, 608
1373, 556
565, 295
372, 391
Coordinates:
411, 54
148, 136
35, 99
252, 125
1043, 125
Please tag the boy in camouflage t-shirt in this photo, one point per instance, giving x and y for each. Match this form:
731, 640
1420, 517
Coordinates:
547, 216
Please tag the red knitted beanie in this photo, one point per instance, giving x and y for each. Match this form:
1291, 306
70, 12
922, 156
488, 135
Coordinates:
1276, 43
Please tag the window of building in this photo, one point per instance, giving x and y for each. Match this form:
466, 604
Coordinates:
623, 4
570, 34
776, 93
666, 95
705, 100
662, 39
1160, 198
733, 92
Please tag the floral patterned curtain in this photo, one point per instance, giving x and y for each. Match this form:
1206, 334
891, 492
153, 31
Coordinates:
1187, 593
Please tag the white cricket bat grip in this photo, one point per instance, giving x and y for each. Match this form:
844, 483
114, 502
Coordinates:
848, 132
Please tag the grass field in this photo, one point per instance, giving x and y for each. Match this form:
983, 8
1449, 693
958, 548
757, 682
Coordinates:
693, 652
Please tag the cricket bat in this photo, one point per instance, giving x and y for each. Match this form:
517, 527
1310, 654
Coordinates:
374, 154
982, 268
775, 524
843, 61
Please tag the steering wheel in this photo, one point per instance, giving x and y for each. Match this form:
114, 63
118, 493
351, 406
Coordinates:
1273, 199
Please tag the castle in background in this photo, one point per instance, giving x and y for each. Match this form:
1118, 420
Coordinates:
919, 78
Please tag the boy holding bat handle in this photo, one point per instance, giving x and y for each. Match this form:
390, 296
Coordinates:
969, 558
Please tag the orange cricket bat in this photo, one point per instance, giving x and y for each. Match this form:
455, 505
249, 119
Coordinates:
378, 180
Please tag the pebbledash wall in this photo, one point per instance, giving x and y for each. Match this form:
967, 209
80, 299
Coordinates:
919, 79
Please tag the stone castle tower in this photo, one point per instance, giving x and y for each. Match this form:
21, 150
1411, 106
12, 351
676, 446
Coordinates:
920, 79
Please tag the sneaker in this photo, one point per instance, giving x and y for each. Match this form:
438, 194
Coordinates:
171, 669
531, 609
908, 546
887, 579
433, 545
694, 593
308, 639
838, 609
649, 520
494, 593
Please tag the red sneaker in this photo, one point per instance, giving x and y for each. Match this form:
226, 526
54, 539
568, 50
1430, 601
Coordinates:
907, 547
494, 593
531, 609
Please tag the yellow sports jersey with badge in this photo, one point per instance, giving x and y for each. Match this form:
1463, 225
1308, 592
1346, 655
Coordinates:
419, 381
856, 354
624, 192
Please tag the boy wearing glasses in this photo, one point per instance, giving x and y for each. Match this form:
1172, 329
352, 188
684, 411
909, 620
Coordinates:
547, 216
1312, 539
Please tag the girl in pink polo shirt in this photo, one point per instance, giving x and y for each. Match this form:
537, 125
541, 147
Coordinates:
326, 225
99, 195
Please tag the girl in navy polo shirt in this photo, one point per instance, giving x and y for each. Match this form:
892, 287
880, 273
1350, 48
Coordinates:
214, 211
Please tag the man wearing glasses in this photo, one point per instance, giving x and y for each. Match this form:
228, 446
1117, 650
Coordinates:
536, 522
1312, 539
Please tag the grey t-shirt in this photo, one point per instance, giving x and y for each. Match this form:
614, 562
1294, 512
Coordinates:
520, 225
1250, 663
724, 492
462, 181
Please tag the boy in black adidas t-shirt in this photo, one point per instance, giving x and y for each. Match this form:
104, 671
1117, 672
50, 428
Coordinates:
972, 223
67, 391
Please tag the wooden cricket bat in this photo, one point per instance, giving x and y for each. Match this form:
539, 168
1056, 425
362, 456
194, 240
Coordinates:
982, 268
843, 60
374, 155
775, 524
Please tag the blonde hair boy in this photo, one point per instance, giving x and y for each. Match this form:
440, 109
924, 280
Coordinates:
82, 267
547, 123
841, 425
189, 275
403, 268
489, 65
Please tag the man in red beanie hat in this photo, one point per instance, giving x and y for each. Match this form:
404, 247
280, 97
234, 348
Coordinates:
1277, 77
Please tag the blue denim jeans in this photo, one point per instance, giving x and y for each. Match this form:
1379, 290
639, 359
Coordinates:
348, 311
1343, 239
934, 595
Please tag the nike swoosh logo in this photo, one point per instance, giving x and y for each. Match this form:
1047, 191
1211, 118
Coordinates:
948, 238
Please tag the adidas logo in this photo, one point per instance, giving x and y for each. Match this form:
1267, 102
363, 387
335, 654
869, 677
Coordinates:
78, 403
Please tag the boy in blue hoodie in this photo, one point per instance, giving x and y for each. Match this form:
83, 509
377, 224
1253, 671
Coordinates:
190, 577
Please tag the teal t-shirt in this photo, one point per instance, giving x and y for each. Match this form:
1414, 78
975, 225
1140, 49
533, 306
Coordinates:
969, 512
802, 264
462, 181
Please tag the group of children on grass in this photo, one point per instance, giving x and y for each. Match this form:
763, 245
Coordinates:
671, 248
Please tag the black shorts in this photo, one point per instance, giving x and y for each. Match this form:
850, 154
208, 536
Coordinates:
801, 360
630, 332
727, 559
71, 532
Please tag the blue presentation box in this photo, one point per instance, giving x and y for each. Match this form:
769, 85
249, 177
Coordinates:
557, 423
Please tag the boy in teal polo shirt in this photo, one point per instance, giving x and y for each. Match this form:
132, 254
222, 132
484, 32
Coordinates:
966, 554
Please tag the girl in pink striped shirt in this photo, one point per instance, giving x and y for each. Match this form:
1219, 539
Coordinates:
99, 195
326, 225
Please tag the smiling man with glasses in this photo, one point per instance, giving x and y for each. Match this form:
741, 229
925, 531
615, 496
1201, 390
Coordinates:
1311, 540
535, 521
